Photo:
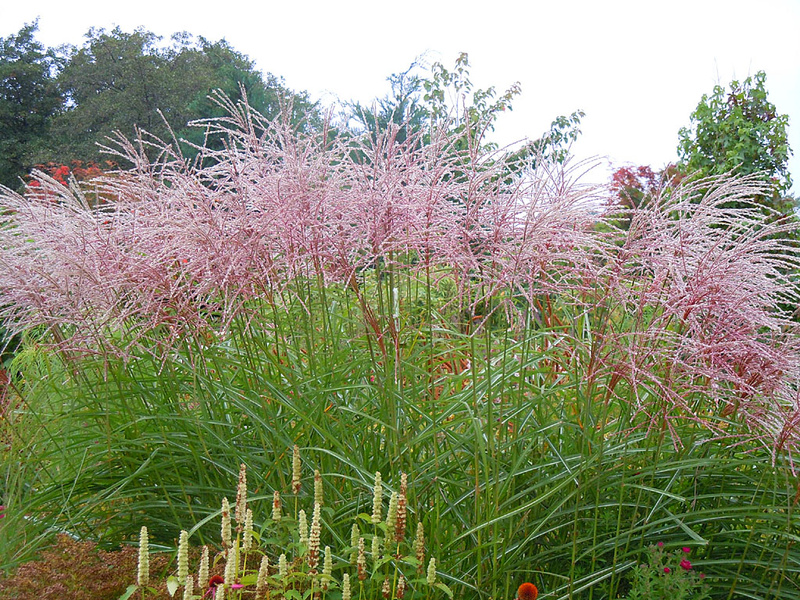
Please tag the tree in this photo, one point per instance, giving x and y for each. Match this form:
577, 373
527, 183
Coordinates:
402, 107
447, 96
236, 76
115, 82
634, 187
739, 130
121, 81
29, 98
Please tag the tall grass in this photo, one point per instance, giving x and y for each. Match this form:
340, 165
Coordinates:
561, 393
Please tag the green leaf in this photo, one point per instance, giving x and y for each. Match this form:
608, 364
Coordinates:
172, 585
129, 591
444, 588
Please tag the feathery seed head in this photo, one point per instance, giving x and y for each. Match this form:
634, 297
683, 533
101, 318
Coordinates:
705, 261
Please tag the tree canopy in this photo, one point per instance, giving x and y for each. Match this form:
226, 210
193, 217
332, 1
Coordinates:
738, 129
447, 97
29, 97
57, 106
121, 81
735, 130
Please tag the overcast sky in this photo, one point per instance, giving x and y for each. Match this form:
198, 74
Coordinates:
637, 68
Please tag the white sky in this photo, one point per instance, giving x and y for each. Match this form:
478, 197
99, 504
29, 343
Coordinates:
637, 68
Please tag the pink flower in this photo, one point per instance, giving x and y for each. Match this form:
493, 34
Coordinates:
660, 544
667, 569
2, 511
217, 580
686, 565
702, 575
686, 550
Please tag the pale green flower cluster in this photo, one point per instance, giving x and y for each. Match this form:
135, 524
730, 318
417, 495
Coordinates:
246, 563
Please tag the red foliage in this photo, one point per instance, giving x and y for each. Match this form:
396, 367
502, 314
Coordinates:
78, 170
81, 171
633, 185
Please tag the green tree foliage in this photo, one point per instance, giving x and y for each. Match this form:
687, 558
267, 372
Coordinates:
236, 77
120, 81
403, 106
29, 97
450, 94
447, 97
739, 130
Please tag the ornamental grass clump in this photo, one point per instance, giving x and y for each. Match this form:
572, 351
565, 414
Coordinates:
690, 297
289, 544
418, 301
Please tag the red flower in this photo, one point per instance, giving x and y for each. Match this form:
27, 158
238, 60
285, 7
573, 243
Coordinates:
686, 550
660, 544
667, 569
218, 580
213, 583
527, 591
2, 511
686, 565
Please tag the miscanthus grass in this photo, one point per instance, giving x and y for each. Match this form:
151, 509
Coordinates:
562, 392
